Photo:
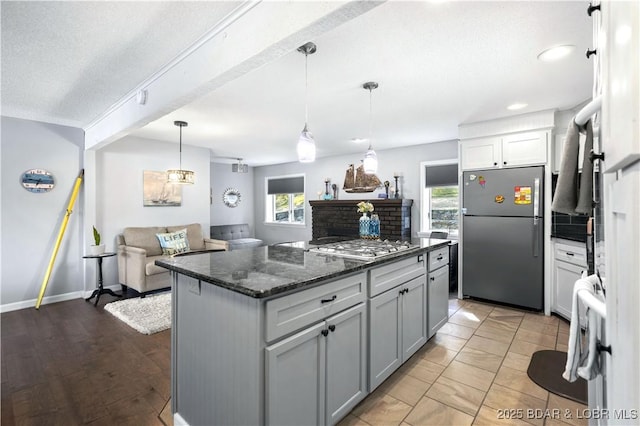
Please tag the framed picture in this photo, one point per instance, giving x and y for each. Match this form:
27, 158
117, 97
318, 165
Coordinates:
157, 192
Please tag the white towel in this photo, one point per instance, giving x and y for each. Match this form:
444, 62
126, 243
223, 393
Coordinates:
576, 353
591, 368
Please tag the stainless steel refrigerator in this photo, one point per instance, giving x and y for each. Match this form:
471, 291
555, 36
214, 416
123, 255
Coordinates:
503, 230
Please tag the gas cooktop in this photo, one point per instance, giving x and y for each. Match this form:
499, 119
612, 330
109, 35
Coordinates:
363, 249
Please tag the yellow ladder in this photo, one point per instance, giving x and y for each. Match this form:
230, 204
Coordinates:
63, 228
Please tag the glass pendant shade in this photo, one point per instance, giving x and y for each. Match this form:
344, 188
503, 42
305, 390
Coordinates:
370, 161
180, 176
306, 146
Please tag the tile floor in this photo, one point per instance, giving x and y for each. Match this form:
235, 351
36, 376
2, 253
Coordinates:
473, 371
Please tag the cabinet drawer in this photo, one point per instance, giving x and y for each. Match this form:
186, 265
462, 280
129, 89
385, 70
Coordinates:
388, 276
570, 254
438, 258
295, 311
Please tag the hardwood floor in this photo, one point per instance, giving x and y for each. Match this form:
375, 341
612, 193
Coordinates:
71, 363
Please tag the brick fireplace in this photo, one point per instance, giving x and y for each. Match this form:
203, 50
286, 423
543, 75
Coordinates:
340, 218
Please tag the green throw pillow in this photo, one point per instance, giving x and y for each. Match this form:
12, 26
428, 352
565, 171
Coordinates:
174, 242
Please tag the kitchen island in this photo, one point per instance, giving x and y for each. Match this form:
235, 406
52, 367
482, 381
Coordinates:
283, 335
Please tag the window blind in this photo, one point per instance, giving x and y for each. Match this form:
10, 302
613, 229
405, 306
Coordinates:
286, 185
445, 175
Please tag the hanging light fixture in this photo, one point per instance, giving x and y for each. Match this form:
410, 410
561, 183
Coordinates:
239, 167
306, 144
370, 161
180, 176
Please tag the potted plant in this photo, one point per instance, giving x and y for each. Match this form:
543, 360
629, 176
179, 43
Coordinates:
96, 248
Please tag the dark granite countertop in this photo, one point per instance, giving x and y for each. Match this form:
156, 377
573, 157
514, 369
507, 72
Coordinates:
269, 270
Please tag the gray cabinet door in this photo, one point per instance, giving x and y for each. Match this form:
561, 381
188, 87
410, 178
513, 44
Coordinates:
346, 362
385, 351
438, 284
295, 371
414, 316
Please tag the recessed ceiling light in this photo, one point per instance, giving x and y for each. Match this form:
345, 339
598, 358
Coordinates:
516, 106
556, 52
359, 140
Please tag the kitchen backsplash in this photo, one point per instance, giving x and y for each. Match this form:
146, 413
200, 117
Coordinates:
569, 227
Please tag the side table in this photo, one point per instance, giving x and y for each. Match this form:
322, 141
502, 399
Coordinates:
100, 290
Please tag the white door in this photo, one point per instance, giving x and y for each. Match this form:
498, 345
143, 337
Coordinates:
346, 362
295, 370
564, 277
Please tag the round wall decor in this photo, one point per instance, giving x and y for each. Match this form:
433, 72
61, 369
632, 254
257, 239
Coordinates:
37, 180
231, 197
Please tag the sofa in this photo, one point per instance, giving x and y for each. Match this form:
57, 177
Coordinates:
233, 237
139, 248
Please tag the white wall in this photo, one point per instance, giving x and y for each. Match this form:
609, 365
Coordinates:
405, 160
221, 179
30, 222
119, 171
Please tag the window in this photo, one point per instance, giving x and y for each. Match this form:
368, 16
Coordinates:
285, 200
443, 211
440, 200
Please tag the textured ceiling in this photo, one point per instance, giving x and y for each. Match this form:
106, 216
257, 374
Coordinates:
67, 62
439, 64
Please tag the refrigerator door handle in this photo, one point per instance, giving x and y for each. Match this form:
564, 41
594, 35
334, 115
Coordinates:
536, 197
536, 216
536, 232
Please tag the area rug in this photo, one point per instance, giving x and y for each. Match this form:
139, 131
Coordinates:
546, 369
147, 315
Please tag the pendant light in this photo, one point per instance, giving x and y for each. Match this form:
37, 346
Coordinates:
180, 176
306, 144
370, 161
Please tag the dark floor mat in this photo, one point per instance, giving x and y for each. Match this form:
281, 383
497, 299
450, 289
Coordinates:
546, 368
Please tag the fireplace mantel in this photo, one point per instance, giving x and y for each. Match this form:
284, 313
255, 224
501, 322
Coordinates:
340, 217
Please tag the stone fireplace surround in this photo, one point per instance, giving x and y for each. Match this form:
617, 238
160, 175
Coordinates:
339, 218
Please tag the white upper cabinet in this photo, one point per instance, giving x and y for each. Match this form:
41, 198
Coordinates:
480, 153
519, 149
621, 82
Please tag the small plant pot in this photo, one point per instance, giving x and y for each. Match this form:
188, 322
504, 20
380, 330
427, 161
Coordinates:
96, 250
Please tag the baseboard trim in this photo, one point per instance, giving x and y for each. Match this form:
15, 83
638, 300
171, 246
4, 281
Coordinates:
31, 303
179, 421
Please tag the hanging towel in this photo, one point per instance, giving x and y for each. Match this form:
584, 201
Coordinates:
576, 352
585, 197
591, 368
566, 195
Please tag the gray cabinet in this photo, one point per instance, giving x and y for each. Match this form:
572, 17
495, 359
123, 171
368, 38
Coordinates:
438, 284
318, 374
295, 370
438, 289
397, 328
